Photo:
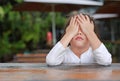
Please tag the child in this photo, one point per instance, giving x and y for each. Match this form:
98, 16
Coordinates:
79, 44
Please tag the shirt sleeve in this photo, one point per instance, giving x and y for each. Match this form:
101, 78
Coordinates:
102, 56
56, 55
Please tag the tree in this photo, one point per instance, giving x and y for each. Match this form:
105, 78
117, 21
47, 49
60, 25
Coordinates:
20, 31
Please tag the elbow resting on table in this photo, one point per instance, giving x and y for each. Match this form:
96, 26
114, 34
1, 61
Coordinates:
52, 61
105, 62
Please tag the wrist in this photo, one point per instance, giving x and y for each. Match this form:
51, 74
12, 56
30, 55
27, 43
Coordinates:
94, 40
71, 35
90, 33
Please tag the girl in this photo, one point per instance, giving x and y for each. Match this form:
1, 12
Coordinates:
79, 44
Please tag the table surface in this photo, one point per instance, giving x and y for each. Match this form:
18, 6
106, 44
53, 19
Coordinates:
64, 72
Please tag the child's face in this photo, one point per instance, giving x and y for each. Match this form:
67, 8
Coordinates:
79, 40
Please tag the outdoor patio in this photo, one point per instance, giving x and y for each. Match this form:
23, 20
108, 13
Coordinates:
30, 28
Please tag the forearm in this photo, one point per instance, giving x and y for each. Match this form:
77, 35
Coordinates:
94, 40
56, 55
102, 56
71, 31
66, 40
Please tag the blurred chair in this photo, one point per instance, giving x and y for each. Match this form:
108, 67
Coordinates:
29, 58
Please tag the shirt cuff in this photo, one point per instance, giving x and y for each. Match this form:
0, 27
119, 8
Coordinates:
59, 44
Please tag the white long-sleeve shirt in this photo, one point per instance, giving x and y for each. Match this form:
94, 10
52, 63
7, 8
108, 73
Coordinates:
59, 55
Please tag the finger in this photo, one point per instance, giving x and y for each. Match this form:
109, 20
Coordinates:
92, 22
79, 23
87, 18
82, 17
77, 26
74, 20
76, 23
71, 20
79, 19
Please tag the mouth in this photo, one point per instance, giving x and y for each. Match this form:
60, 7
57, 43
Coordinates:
78, 38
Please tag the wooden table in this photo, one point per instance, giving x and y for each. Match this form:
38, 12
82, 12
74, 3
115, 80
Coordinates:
64, 72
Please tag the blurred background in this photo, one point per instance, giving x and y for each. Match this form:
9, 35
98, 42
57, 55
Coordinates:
30, 28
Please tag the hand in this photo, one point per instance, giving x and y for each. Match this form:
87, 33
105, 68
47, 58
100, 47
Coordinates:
71, 31
73, 27
86, 25
87, 28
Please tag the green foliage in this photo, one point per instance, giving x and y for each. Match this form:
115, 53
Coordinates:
20, 30
7, 20
60, 21
1, 13
19, 1
109, 46
5, 44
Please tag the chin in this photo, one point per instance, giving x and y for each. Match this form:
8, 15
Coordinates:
79, 44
